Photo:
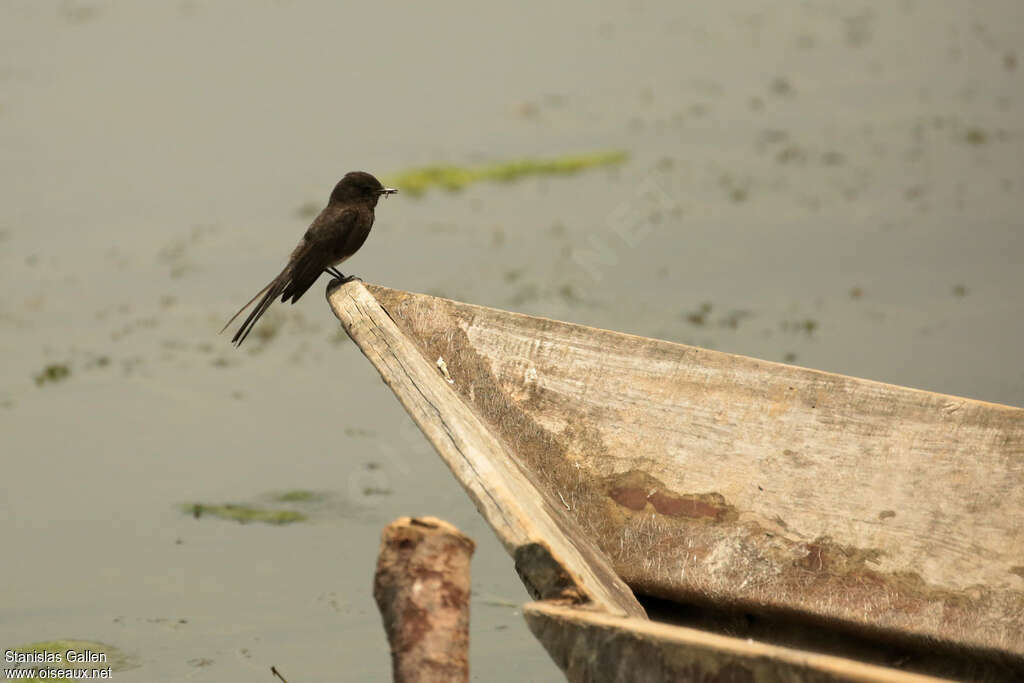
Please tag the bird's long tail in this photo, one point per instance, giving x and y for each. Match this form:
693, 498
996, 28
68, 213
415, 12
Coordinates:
269, 293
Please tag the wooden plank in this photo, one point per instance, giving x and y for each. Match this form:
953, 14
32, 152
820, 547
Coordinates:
713, 478
594, 647
554, 558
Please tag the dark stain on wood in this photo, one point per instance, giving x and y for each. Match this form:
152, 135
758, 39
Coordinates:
635, 490
632, 498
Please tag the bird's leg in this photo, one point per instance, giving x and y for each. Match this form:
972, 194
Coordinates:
344, 278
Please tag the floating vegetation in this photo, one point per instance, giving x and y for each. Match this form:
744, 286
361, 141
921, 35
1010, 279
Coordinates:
270, 325
269, 511
417, 181
976, 136
733, 318
790, 154
298, 496
244, 513
54, 372
782, 87
569, 295
700, 316
98, 362
376, 491
807, 326
737, 191
514, 274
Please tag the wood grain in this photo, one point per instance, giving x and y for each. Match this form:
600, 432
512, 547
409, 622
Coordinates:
719, 479
422, 589
597, 648
555, 559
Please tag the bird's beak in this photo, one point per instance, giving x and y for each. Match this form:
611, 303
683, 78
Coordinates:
388, 190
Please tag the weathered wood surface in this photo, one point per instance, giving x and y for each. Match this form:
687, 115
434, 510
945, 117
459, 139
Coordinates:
422, 589
554, 558
719, 479
593, 647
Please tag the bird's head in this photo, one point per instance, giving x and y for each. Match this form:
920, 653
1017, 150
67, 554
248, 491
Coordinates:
359, 186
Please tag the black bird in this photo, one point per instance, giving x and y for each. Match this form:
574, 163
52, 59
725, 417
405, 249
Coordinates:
337, 233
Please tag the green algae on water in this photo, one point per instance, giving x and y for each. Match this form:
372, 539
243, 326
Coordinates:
244, 513
54, 372
298, 496
416, 181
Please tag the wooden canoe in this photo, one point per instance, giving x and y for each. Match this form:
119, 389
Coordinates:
856, 530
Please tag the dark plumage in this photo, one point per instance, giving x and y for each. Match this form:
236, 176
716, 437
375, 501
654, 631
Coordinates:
336, 234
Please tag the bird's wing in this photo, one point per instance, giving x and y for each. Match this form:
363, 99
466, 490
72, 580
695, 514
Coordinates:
335, 234
324, 245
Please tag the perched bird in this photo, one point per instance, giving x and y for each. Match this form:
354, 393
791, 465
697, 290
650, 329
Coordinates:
334, 235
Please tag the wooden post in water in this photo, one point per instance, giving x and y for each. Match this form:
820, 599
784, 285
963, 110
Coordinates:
422, 590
